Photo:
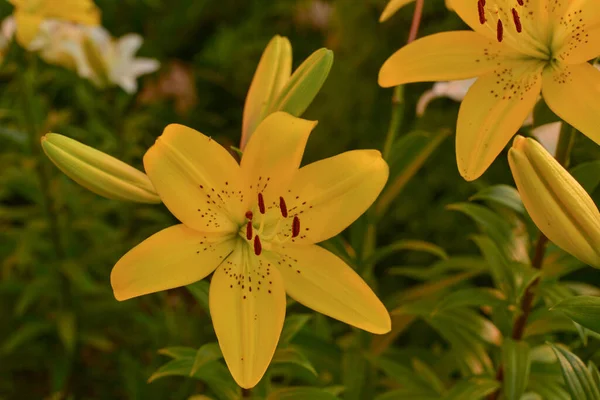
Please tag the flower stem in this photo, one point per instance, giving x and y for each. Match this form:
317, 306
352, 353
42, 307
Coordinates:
563, 153
246, 393
33, 132
398, 96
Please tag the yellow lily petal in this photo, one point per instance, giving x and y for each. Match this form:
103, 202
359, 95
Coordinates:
273, 71
197, 179
28, 26
442, 57
578, 32
556, 202
491, 113
173, 257
320, 280
273, 155
330, 194
248, 313
80, 11
392, 7
573, 93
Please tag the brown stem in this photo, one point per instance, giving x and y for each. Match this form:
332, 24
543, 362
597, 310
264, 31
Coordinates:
416, 21
563, 151
246, 393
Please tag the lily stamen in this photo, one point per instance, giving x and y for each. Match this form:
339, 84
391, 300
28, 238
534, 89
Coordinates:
261, 203
517, 20
257, 245
481, 10
249, 230
295, 226
499, 31
283, 207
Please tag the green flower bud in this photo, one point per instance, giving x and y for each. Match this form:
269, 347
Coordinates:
556, 202
97, 171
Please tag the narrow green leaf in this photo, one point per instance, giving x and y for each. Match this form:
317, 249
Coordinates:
304, 84
200, 292
594, 372
585, 310
301, 393
409, 154
503, 195
412, 394
588, 175
428, 375
180, 367
25, 333
179, 352
206, 354
401, 374
292, 326
67, 330
354, 370
516, 365
578, 379
293, 355
472, 297
413, 245
473, 389
498, 264
490, 223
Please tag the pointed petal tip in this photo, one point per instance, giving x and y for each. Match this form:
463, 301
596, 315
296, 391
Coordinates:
518, 142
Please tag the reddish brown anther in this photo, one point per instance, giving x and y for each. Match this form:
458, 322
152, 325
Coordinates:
520, 2
499, 31
249, 230
517, 20
295, 226
257, 245
261, 203
249, 215
283, 207
481, 10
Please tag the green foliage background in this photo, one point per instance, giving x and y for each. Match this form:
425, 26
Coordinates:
62, 333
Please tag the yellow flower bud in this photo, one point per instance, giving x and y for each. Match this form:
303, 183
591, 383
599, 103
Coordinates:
556, 202
97, 171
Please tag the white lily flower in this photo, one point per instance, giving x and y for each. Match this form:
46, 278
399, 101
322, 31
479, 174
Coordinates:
93, 53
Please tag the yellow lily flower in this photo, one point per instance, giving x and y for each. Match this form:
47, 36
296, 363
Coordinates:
29, 14
556, 202
255, 225
518, 49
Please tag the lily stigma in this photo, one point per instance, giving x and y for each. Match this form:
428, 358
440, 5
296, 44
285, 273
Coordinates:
255, 224
517, 49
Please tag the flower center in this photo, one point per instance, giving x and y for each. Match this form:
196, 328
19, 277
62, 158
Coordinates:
498, 11
260, 233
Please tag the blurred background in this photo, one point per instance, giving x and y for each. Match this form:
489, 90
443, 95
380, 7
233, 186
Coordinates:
62, 333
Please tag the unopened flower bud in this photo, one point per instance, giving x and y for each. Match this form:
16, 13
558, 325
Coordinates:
97, 171
556, 202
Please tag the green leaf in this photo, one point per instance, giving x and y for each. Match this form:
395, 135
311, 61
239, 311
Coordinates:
354, 369
473, 388
490, 223
292, 355
200, 292
578, 379
498, 264
33, 291
585, 310
588, 175
67, 329
25, 333
549, 389
412, 394
413, 245
179, 352
503, 195
408, 155
292, 326
401, 374
206, 354
472, 297
301, 393
304, 84
439, 268
428, 375
516, 364
594, 372
177, 367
